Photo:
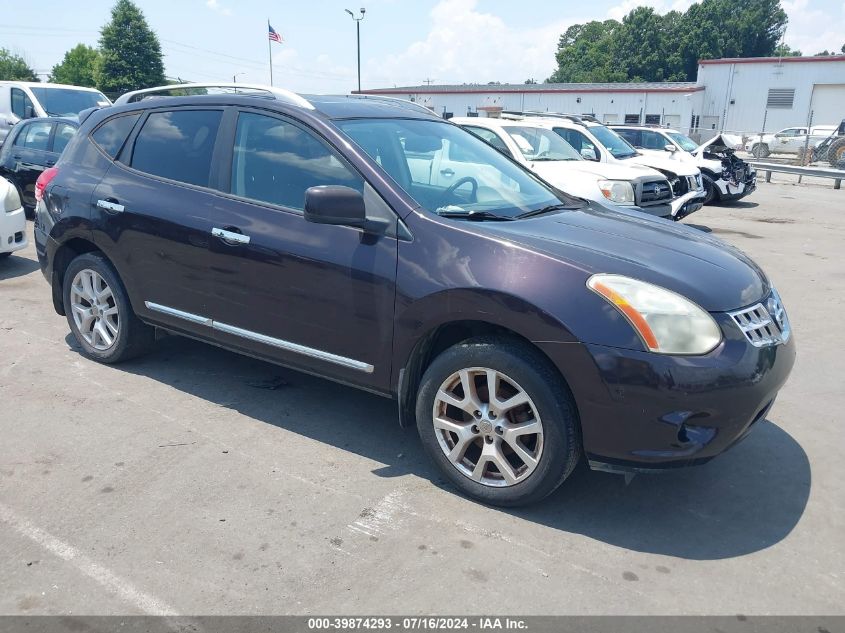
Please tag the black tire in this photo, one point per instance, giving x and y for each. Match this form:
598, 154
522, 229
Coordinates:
836, 153
760, 150
561, 442
711, 191
133, 338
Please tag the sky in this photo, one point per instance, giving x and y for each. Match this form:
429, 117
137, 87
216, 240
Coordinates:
403, 42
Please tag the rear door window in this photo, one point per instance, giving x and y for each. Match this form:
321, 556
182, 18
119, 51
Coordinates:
276, 161
634, 137
36, 136
491, 137
177, 145
64, 132
112, 134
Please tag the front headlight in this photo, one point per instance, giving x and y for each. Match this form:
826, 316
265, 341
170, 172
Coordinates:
666, 322
618, 191
11, 199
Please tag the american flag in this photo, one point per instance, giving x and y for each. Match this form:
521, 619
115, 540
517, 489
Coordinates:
273, 35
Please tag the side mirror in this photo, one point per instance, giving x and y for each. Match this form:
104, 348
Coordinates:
28, 112
588, 153
670, 148
342, 206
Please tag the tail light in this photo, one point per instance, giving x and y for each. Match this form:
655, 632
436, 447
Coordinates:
43, 180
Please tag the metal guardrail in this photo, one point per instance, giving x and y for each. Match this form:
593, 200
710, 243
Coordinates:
837, 175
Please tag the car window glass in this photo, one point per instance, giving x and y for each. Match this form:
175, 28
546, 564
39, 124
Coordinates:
541, 144
653, 140
111, 135
64, 132
632, 136
409, 151
577, 140
20, 101
491, 137
35, 136
177, 145
275, 161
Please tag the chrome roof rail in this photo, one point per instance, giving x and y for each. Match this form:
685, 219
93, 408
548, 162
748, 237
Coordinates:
258, 90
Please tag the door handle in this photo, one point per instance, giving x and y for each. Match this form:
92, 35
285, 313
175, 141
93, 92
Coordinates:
230, 237
448, 171
110, 205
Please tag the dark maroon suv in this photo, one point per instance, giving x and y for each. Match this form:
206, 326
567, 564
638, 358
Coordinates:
517, 327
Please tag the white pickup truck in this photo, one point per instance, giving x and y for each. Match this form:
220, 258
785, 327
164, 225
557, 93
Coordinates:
790, 140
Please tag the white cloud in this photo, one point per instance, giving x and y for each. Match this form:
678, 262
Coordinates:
813, 30
215, 5
467, 45
661, 6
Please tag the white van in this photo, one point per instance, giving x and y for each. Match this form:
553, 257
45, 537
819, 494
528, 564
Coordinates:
28, 99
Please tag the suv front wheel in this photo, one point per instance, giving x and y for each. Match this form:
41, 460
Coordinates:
99, 313
498, 421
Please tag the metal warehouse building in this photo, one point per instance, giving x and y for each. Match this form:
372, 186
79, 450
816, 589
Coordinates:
738, 95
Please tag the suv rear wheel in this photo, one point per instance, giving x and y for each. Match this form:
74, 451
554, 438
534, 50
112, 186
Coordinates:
99, 313
498, 421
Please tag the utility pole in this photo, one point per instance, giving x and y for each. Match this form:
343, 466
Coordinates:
358, 36
429, 81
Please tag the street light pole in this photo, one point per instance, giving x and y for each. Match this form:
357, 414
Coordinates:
358, 37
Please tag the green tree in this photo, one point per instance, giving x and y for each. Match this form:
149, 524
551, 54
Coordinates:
585, 53
79, 67
131, 52
783, 50
14, 67
647, 46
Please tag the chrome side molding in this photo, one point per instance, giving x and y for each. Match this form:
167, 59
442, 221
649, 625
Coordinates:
289, 346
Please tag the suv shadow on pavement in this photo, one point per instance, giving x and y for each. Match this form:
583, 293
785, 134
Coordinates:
16, 266
742, 502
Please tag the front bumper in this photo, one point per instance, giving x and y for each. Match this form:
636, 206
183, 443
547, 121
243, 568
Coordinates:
686, 204
645, 411
13, 231
730, 191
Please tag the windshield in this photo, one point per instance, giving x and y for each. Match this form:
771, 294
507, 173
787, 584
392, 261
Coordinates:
450, 171
68, 101
686, 143
541, 144
615, 144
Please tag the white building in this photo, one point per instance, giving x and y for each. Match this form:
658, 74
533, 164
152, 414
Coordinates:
737, 95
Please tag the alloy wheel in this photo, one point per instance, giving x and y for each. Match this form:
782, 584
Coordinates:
95, 311
488, 427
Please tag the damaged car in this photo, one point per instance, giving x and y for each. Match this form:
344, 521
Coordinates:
724, 175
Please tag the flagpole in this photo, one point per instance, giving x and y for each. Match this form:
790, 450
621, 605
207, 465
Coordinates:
270, 51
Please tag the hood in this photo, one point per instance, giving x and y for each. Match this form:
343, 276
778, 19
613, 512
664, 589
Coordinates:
715, 275
679, 166
611, 171
719, 144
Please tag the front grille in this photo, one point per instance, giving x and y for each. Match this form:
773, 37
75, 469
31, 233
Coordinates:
764, 323
693, 183
655, 192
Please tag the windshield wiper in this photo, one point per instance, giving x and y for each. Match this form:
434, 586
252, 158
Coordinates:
471, 215
542, 210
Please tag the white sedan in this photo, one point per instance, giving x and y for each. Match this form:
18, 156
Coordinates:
12, 220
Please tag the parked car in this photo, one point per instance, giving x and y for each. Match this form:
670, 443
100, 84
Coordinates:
599, 143
533, 143
25, 100
517, 327
12, 221
790, 140
832, 149
724, 175
32, 146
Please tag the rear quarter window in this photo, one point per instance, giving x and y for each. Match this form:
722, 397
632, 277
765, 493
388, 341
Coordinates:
112, 134
177, 145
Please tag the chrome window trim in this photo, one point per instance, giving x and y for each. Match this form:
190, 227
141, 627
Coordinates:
263, 338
